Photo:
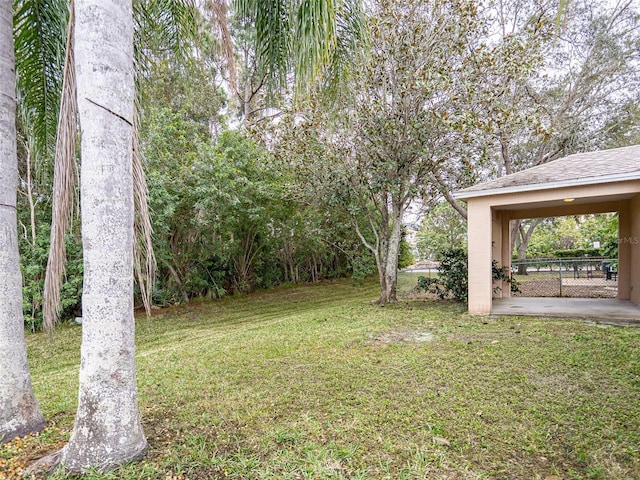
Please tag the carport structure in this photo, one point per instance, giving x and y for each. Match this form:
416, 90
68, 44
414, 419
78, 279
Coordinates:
594, 182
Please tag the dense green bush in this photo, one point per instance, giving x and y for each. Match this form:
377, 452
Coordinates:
453, 274
452, 279
33, 261
227, 220
363, 267
405, 255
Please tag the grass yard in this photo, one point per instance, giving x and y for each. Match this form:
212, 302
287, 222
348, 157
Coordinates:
314, 382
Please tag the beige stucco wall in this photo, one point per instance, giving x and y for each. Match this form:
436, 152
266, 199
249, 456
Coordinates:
488, 231
479, 230
624, 250
500, 251
634, 245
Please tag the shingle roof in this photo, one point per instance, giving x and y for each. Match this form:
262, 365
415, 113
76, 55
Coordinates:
582, 168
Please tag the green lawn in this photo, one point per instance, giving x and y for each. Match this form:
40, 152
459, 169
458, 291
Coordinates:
314, 382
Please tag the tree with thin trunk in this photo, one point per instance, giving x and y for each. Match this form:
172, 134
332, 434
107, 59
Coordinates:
399, 118
19, 411
107, 430
378, 147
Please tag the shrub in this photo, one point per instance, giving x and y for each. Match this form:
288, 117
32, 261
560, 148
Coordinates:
33, 259
405, 255
499, 272
452, 280
576, 253
453, 274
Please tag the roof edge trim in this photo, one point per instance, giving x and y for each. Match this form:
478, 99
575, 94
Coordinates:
577, 182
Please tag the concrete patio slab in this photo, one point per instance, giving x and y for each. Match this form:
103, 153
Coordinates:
603, 310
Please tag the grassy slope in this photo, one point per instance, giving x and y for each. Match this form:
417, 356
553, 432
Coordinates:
314, 382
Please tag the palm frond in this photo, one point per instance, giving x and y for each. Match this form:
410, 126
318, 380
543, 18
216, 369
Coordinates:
351, 37
561, 17
272, 20
40, 28
315, 36
64, 182
163, 27
310, 37
143, 254
221, 17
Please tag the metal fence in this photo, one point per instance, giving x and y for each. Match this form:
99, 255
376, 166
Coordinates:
408, 281
591, 277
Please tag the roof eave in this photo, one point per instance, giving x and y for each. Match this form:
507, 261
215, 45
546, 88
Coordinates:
577, 182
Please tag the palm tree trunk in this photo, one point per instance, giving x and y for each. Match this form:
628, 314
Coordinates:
19, 412
107, 430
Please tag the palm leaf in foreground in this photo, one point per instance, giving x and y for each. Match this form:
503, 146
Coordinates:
40, 28
64, 184
160, 24
310, 37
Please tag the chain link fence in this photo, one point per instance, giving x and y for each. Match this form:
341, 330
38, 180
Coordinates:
593, 277
408, 280
568, 277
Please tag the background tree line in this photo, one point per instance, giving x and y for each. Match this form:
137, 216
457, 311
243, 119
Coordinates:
226, 217
251, 186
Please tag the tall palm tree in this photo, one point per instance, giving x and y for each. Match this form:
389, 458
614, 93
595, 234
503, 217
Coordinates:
167, 25
40, 31
19, 412
107, 429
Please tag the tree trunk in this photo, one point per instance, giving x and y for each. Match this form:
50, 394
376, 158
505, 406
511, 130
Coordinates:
19, 412
388, 267
391, 268
381, 264
176, 277
522, 258
523, 244
107, 429
514, 227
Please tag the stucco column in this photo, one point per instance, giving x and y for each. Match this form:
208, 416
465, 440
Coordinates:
496, 251
634, 247
506, 251
624, 251
479, 233
500, 250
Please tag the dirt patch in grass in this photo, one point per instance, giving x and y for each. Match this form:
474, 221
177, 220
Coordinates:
402, 336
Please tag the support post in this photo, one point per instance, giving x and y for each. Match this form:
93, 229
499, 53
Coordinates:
480, 254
